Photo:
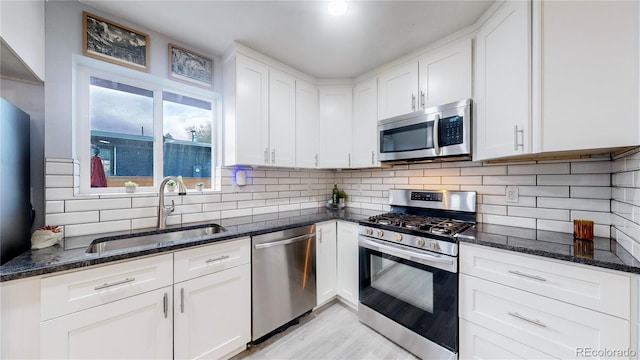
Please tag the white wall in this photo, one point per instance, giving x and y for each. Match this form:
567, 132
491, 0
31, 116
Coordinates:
30, 99
64, 40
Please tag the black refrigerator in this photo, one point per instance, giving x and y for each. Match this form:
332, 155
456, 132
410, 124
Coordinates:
15, 184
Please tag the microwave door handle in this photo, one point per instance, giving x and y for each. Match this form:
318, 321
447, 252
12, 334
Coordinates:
436, 125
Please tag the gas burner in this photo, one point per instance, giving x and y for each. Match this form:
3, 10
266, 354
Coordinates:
384, 221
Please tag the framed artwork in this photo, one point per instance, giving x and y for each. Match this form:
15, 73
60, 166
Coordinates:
115, 43
191, 67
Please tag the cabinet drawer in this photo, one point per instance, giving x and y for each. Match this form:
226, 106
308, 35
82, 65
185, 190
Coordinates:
541, 323
477, 342
209, 259
594, 289
68, 293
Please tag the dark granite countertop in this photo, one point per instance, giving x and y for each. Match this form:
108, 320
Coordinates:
607, 253
71, 254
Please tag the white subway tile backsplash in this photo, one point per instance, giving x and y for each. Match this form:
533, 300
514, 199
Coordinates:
201, 217
59, 181
484, 170
97, 228
591, 192
53, 207
539, 213
603, 218
575, 204
144, 223
442, 172
509, 221
58, 193
434, 180
492, 209
58, 168
509, 180
69, 218
600, 167
547, 191
123, 214
525, 201
97, 204
462, 180
144, 201
577, 179
536, 169
237, 197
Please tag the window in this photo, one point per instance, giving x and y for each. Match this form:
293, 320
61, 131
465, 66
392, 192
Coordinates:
140, 131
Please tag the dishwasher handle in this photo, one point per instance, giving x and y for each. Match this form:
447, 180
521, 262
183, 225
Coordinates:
284, 241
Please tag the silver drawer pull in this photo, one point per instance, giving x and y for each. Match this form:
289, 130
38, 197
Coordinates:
106, 285
535, 322
536, 277
217, 259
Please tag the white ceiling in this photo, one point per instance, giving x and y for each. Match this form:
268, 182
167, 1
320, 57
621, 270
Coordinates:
301, 33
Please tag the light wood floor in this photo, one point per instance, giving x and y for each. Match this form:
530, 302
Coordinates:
331, 333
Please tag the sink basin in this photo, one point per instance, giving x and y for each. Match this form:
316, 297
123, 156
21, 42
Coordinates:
142, 239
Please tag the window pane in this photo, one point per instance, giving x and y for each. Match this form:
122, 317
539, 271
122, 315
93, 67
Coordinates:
187, 129
121, 134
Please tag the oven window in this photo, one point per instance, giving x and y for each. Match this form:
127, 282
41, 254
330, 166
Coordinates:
407, 138
409, 284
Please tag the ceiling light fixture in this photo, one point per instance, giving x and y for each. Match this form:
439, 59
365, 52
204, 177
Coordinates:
337, 7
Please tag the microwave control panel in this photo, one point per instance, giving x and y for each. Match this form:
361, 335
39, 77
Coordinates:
451, 131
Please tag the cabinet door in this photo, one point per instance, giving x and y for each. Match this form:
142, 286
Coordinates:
398, 91
326, 262
589, 74
365, 124
213, 314
282, 118
445, 75
335, 126
307, 125
140, 327
502, 93
251, 112
348, 263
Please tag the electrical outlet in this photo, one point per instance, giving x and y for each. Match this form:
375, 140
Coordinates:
512, 194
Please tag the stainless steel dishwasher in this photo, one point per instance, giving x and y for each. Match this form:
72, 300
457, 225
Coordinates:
283, 277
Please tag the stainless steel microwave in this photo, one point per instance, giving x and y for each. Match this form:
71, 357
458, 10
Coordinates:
436, 132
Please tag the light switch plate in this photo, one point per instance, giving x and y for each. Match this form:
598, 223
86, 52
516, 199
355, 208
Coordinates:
512, 194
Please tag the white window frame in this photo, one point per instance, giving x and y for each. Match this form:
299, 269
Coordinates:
148, 82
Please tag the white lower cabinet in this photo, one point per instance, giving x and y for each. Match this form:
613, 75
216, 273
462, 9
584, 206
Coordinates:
347, 264
326, 256
528, 307
213, 314
482, 343
140, 326
337, 262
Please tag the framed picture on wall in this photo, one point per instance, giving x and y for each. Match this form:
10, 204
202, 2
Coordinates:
188, 66
106, 40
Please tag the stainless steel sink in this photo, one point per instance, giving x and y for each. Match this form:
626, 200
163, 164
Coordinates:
142, 239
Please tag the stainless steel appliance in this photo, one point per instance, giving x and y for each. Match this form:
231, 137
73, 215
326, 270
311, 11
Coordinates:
436, 132
283, 278
409, 269
15, 184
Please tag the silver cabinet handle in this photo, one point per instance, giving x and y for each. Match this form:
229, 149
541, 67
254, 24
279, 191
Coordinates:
106, 285
422, 99
535, 277
533, 321
217, 259
316, 160
182, 300
349, 159
273, 156
266, 155
165, 305
413, 102
320, 235
373, 157
436, 129
516, 144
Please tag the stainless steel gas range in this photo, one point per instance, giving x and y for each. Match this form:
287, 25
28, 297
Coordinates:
408, 261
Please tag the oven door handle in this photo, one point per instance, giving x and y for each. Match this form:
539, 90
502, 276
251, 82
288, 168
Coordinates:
441, 262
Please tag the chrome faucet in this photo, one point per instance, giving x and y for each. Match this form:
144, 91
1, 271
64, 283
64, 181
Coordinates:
164, 211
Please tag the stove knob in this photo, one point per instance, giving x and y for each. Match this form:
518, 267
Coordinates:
368, 231
435, 246
398, 237
420, 242
379, 233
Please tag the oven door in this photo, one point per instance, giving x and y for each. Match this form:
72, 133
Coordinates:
416, 289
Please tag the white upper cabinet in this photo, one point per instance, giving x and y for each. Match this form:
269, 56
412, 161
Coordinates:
365, 124
589, 74
398, 91
502, 83
282, 118
22, 30
335, 126
246, 110
307, 125
445, 75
